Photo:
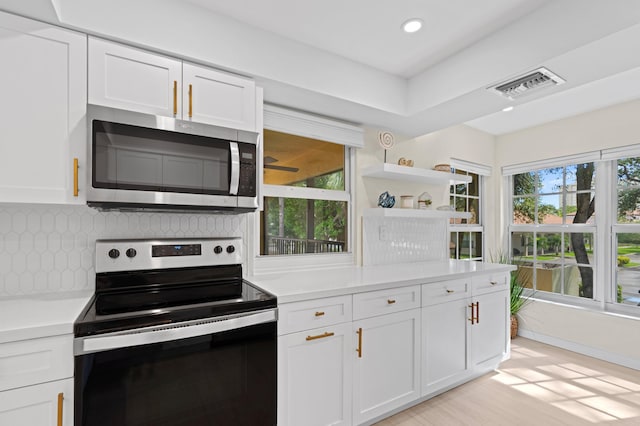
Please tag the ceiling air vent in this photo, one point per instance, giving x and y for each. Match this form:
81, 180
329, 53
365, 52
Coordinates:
527, 83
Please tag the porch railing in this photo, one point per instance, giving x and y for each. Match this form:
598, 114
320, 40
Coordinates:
280, 245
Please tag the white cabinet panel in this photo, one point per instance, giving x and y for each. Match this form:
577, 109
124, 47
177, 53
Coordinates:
38, 405
490, 335
313, 313
214, 97
43, 112
445, 344
128, 78
314, 377
387, 301
387, 363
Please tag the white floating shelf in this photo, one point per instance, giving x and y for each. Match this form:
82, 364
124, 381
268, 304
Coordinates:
414, 213
413, 174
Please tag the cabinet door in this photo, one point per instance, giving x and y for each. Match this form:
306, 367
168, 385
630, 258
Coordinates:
490, 333
43, 109
128, 78
445, 344
387, 363
314, 377
213, 97
38, 405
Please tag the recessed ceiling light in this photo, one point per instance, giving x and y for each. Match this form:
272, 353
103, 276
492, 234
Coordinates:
507, 109
412, 25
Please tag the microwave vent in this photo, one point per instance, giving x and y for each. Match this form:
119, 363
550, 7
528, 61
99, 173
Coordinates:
527, 83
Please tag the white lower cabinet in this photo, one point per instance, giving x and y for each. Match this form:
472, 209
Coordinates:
387, 364
355, 359
36, 382
46, 404
315, 362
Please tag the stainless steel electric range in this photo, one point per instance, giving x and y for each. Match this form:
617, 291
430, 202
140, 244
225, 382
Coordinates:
175, 336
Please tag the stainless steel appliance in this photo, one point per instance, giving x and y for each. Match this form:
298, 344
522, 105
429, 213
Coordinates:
141, 161
175, 336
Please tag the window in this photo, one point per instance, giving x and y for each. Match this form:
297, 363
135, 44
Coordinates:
306, 218
312, 215
467, 235
626, 232
553, 228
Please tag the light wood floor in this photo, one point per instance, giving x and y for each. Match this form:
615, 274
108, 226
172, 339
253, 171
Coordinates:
539, 385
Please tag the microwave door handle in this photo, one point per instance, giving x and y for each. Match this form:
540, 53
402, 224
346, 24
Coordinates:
235, 168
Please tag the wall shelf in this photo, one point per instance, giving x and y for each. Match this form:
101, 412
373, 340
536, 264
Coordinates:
413, 174
414, 213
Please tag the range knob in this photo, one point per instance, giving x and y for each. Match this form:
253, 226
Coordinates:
114, 253
230, 249
217, 249
131, 253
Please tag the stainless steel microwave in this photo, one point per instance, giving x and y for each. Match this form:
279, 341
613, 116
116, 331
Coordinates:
145, 162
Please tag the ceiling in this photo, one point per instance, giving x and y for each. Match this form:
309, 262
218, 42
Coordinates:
350, 60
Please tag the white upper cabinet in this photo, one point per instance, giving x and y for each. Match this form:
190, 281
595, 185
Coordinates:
210, 96
128, 78
43, 109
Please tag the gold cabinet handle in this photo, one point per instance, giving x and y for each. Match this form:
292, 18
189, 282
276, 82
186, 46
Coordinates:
473, 313
477, 312
175, 97
190, 100
320, 336
75, 177
390, 301
60, 401
359, 350
450, 291
319, 313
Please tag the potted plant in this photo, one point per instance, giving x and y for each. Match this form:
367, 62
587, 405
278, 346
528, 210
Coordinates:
518, 296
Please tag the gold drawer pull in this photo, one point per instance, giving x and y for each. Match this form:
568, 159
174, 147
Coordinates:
320, 336
60, 401
175, 97
190, 100
359, 349
450, 291
75, 177
319, 313
391, 301
493, 282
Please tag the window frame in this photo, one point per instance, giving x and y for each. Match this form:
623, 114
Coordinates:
310, 126
605, 227
462, 228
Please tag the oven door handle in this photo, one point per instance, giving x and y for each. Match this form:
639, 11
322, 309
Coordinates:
166, 333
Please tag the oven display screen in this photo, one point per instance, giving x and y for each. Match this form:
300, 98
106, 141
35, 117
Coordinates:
176, 250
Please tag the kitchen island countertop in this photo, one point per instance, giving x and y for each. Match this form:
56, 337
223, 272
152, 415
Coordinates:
295, 286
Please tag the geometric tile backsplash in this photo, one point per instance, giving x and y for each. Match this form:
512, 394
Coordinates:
51, 248
390, 240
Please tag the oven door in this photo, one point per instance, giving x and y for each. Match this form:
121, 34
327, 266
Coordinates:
219, 371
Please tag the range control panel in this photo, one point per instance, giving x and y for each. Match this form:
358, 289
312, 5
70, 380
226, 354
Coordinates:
133, 255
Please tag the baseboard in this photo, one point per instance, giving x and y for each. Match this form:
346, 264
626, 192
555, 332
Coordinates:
582, 349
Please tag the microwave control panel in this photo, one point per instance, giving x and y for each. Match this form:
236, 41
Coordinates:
247, 184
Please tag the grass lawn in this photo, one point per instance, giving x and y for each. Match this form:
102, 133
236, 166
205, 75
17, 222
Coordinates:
622, 250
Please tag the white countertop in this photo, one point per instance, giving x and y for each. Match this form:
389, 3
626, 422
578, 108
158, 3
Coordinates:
40, 315
296, 286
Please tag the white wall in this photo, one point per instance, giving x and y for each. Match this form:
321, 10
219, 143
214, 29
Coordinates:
600, 334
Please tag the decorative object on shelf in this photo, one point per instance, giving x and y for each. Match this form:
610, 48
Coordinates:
386, 141
442, 168
405, 162
424, 201
386, 200
406, 201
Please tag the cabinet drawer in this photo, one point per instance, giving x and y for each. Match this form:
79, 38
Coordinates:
489, 283
385, 301
310, 314
28, 362
445, 291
